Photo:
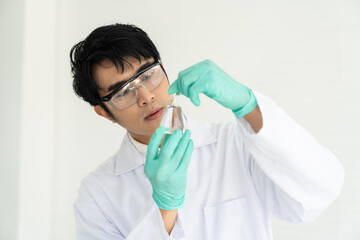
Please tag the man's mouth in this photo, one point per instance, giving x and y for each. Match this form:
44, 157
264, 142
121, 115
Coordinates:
155, 114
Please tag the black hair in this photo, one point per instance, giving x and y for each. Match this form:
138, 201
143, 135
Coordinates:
113, 42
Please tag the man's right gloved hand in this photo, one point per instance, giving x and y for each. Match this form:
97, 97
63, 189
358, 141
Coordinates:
167, 170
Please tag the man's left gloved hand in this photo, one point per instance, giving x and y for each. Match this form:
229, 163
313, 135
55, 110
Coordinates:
167, 170
207, 78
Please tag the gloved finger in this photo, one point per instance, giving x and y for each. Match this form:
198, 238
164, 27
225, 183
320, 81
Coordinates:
185, 160
154, 143
178, 85
194, 91
187, 77
186, 81
180, 149
168, 146
174, 88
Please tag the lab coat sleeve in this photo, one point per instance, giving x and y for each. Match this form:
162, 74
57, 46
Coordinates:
295, 177
92, 224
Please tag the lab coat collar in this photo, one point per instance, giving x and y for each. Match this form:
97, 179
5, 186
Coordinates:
129, 158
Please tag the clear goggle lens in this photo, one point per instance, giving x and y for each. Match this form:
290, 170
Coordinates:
128, 95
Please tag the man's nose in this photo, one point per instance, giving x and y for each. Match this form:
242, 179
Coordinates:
144, 96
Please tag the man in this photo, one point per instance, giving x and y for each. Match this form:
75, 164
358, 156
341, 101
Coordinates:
215, 181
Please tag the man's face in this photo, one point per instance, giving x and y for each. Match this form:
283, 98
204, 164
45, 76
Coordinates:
137, 118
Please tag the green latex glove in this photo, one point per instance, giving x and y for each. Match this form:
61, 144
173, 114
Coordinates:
207, 78
167, 170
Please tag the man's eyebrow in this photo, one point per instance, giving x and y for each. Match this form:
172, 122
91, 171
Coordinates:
117, 84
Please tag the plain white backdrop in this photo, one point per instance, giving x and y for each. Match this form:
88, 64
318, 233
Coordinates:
305, 55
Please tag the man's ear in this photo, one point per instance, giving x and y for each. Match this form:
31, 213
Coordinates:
101, 112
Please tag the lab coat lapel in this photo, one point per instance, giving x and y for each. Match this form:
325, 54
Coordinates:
127, 157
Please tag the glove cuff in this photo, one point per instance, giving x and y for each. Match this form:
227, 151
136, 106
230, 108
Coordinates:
169, 204
249, 106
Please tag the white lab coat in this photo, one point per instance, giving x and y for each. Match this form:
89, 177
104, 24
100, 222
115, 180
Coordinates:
237, 181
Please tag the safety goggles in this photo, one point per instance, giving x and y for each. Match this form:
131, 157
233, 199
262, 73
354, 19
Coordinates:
127, 93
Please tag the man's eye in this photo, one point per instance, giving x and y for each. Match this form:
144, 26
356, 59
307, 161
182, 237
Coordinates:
122, 93
147, 75
125, 92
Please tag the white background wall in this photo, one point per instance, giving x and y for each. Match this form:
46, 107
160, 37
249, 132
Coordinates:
11, 40
303, 54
